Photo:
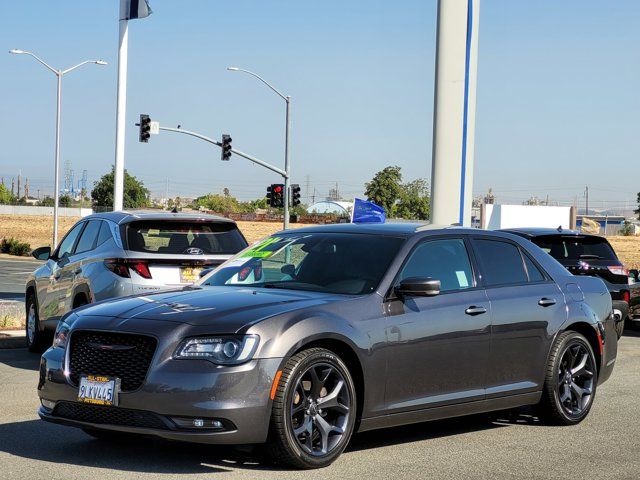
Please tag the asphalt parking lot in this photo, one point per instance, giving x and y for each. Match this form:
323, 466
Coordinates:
514, 445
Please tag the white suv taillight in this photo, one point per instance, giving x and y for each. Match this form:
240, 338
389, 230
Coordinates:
618, 270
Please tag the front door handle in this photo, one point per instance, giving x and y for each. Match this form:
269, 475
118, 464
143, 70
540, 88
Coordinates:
473, 310
546, 302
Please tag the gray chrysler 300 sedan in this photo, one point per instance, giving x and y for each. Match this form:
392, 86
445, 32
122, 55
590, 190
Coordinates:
312, 334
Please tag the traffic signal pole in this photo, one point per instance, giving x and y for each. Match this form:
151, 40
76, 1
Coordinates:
287, 176
233, 150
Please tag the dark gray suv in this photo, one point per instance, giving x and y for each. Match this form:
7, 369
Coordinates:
114, 254
312, 334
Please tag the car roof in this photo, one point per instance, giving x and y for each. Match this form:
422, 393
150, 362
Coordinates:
390, 228
126, 216
531, 232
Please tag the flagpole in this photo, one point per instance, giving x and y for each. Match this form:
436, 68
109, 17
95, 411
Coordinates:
118, 180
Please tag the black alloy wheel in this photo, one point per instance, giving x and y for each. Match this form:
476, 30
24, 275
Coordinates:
314, 410
575, 379
571, 380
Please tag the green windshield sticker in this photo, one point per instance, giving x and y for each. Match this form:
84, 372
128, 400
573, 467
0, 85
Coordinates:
261, 251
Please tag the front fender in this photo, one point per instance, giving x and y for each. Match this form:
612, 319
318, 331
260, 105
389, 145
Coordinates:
365, 337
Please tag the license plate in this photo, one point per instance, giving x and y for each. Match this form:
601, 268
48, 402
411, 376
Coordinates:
189, 275
98, 390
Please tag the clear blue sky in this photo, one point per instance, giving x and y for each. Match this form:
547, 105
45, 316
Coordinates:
558, 102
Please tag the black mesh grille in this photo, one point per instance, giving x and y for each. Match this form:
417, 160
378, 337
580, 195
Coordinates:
109, 415
121, 355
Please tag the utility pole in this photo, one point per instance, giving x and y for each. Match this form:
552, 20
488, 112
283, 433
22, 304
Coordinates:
26, 189
13, 186
586, 190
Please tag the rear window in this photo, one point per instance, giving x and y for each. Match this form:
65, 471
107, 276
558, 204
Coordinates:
575, 247
184, 238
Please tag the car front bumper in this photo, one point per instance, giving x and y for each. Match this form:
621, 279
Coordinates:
174, 395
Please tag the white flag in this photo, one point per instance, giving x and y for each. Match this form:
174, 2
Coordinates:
131, 9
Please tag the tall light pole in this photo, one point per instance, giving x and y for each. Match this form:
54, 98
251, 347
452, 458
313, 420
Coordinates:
59, 74
287, 170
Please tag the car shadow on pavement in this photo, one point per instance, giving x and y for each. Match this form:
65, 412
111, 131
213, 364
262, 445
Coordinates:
20, 358
37, 440
631, 332
422, 431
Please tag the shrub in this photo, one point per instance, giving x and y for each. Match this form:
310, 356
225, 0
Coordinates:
13, 246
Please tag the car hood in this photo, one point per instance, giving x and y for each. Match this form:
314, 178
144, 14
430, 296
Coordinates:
229, 309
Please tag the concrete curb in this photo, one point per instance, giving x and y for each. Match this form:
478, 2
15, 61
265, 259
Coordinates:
12, 339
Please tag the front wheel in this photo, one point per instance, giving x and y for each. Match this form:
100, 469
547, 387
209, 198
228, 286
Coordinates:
314, 410
571, 380
36, 338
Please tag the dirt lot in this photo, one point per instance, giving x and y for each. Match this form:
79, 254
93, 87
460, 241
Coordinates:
37, 230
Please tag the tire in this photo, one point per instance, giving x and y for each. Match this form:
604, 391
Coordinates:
37, 339
620, 328
570, 385
322, 432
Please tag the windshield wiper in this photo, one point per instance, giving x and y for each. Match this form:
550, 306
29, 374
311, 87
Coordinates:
591, 256
272, 285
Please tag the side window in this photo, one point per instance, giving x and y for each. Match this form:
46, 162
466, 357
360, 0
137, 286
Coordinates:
444, 260
105, 233
501, 263
88, 237
535, 275
66, 246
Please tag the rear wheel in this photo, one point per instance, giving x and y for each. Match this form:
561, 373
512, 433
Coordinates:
36, 338
314, 410
571, 380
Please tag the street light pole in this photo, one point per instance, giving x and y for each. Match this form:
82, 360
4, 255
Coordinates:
59, 74
56, 194
287, 165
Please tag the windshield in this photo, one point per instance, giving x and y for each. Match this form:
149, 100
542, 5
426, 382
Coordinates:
575, 247
342, 263
190, 238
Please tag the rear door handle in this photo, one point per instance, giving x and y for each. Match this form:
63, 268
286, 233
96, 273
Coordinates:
546, 302
77, 271
473, 310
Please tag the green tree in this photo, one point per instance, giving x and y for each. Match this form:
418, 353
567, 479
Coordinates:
46, 202
637, 212
414, 201
218, 203
65, 201
135, 193
385, 188
5, 195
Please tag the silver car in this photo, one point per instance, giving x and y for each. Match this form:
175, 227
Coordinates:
116, 254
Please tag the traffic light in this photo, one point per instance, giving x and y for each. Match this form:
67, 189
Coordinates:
226, 147
275, 195
295, 194
145, 128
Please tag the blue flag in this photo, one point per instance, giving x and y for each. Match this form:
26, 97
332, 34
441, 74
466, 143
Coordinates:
367, 212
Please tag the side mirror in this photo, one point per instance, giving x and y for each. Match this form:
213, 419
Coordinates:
42, 253
288, 269
418, 287
633, 273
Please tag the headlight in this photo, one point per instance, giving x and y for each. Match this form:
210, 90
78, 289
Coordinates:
61, 336
223, 350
